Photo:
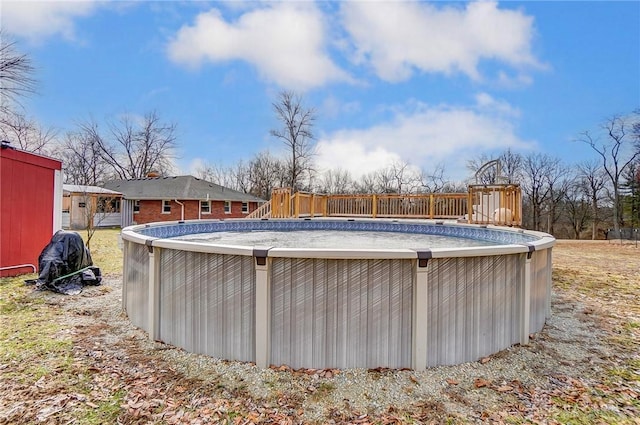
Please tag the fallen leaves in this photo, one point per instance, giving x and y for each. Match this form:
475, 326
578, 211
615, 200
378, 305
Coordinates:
504, 388
481, 382
140, 386
322, 373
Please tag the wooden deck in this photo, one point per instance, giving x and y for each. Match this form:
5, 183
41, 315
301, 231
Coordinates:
499, 204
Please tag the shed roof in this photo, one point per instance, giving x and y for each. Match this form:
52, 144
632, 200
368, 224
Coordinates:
15, 154
177, 187
81, 188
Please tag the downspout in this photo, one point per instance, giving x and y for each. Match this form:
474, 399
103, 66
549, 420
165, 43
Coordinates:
182, 208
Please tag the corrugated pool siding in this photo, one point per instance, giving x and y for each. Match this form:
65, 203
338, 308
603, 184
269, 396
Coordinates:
473, 307
207, 303
315, 325
136, 278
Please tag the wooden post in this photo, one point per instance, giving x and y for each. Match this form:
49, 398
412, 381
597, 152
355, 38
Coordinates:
374, 205
431, 206
470, 205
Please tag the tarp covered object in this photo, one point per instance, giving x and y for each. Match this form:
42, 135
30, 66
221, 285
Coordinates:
65, 265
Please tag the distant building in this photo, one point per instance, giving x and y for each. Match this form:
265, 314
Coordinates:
82, 205
30, 207
174, 198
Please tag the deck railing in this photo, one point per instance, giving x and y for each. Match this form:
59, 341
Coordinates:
483, 204
263, 211
495, 204
281, 203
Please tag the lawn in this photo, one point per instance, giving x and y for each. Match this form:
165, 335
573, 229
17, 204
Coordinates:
77, 359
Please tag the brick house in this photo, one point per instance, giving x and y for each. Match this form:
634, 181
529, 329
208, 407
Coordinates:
174, 198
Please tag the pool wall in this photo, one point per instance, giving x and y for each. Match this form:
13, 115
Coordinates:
337, 308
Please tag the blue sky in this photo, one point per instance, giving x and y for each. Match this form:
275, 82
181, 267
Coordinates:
425, 83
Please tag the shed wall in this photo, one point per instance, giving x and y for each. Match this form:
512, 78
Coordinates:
28, 201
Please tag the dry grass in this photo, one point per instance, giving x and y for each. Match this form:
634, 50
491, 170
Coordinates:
607, 274
105, 251
62, 360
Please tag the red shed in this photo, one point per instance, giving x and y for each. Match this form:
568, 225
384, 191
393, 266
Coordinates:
30, 207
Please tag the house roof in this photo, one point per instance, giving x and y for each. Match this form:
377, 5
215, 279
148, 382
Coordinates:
177, 187
81, 188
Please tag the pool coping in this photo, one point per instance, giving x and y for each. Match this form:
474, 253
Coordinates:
529, 241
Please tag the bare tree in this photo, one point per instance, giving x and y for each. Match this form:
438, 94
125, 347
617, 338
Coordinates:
135, 148
16, 72
258, 177
434, 181
407, 179
474, 165
96, 211
559, 182
336, 182
26, 133
296, 134
83, 163
539, 170
592, 181
509, 166
385, 181
617, 152
577, 208
219, 174
265, 173
366, 184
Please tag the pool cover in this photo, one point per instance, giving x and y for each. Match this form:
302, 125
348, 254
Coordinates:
65, 265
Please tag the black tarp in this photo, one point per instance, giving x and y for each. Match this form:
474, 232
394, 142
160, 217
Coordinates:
65, 265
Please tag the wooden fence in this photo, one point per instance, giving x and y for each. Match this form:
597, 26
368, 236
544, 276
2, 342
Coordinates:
498, 204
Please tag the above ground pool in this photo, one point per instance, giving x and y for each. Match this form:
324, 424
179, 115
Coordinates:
332, 293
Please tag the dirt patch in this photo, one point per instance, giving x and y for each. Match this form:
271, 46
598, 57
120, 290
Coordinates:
584, 367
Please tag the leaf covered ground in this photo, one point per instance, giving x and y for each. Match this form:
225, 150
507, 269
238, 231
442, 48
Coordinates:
75, 359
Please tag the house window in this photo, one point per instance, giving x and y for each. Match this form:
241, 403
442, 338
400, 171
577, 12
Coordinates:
245, 207
205, 207
227, 207
136, 206
108, 205
166, 207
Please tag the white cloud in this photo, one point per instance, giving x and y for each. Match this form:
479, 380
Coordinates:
333, 107
193, 166
518, 80
425, 136
347, 151
285, 41
488, 103
37, 20
398, 38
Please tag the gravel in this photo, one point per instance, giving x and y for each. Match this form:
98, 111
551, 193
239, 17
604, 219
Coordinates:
571, 344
